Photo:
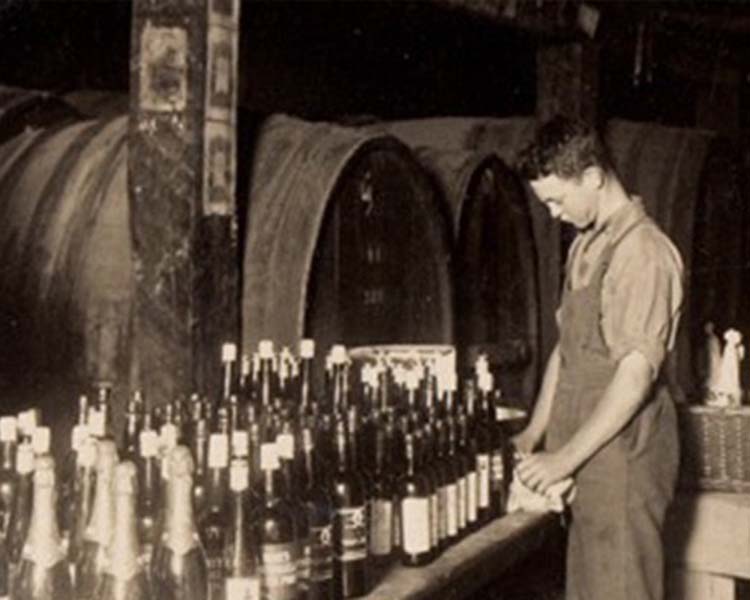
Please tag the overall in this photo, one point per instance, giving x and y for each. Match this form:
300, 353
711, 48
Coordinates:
615, 537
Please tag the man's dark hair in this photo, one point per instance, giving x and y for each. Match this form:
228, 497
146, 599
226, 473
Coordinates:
564, 147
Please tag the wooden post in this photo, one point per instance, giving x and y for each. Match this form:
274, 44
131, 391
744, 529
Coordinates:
567, 84
181, 179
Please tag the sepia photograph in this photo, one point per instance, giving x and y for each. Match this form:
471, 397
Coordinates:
379, 299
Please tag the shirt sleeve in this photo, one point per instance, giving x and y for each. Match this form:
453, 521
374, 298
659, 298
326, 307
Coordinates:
642, 297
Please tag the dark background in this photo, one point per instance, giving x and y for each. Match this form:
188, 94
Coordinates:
397, 59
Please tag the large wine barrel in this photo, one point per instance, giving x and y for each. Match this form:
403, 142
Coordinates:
21, 108
66, 282
689, 181
692, 185
495, 284
345, 240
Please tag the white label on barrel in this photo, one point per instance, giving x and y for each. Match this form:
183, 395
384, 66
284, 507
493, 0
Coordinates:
415, 524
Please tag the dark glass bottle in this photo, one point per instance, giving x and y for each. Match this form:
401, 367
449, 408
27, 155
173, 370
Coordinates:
467, 454
213, 523
414, 495
43, 570
180, 571
242, 581
457, 491
481, 435
382, 498
273, 530
318, 505
307, 356
124, 578
8, 490
130, 435
21, 516
199, 446
349, 493
149, 493
228, 369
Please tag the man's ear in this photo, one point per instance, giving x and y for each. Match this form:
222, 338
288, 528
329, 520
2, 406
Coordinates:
593, 177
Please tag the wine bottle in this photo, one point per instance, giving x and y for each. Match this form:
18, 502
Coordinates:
414, 494
8, 490
482, 440
289, 452
319, 507
274, 532
43, 571
180, 570
213, 522
242, 579
349, 492
21, 515
93, 558
228, 369
457, 491
466, 454
382, 497
83, 497
124, 577
149, 496
307, 356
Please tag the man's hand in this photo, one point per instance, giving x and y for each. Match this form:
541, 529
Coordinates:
541, 470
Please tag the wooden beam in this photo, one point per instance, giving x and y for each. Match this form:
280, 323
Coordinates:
181, 188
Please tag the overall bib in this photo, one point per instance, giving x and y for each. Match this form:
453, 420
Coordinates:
615, 537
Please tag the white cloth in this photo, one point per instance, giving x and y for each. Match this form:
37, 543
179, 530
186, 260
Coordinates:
523, 498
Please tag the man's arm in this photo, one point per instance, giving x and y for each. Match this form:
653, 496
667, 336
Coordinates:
530, 437
621, 400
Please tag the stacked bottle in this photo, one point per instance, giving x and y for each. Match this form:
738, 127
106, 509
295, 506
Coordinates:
269, 491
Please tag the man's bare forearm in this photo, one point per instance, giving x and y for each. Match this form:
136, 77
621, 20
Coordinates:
621, 400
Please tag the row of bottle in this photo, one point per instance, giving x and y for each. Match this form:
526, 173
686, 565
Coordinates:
283, 501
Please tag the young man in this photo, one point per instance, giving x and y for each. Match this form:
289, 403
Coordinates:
603, 407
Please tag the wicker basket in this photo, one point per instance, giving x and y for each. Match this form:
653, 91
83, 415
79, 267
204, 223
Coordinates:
715, 448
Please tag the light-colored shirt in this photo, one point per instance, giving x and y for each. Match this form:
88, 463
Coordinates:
642, 291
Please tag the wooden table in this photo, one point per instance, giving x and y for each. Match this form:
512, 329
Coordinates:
478, 559
707, 545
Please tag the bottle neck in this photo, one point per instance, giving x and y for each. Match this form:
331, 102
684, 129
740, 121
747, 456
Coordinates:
43, 545
181, 530
125, 548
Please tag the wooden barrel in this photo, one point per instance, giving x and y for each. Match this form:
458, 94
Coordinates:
689, 181
345, 241
496, 291
21, 109
97, 104
66, 283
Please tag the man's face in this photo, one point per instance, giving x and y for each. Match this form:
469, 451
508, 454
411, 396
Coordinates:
575, 201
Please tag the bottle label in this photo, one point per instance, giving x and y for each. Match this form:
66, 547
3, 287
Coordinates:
452, 509
304, 564
218, 451
434, 520
285, 446
77, 437
381, 527
149, 443
498, 471
415, 523
443, 513
168, 436
483, 474
471, 486
239, 475
463, 501
321, 553
242, 588
240, 444
350, 533
279, 571
97, 426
